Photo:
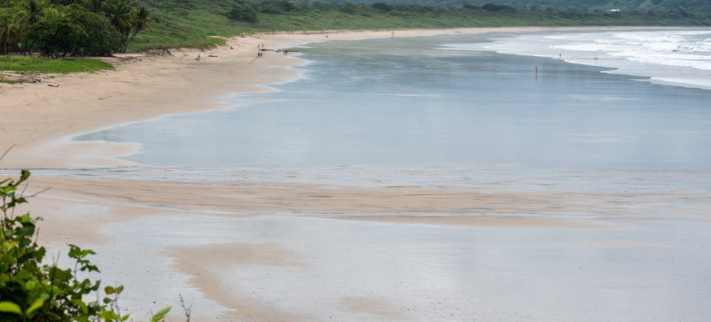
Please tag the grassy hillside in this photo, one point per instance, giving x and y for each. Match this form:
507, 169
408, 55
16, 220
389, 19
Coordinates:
189, 23
625, 5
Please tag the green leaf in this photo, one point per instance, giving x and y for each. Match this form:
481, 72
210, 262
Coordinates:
160, 315
108, 316
109, 290
10, 307
125, 317
30, 285
24, 176
81, 305
119, 289
36, 305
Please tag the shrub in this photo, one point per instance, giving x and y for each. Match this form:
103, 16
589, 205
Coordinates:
101, 37
51, 37
32, 291
243, 12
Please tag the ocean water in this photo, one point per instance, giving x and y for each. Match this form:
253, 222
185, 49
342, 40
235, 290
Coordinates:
452, 102
679, 57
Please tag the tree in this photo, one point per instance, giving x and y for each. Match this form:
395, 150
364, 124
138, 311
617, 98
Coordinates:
55, 36
243, 12
382, 6
120, 13
139, 23
127, 17
94, 6
9, 29
101, 37
32, 11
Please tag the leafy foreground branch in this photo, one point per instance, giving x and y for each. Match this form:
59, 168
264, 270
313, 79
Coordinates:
31, 291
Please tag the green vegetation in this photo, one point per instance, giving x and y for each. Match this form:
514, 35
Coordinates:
48, 65
31, 291
189, 23
70, 27
99, 27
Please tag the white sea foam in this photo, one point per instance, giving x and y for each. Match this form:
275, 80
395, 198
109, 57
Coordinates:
671, 57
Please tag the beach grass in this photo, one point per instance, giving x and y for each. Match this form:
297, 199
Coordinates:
49, 65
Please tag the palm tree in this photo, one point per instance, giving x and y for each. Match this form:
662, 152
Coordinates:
120, 13
9, 29
32, 11
94, 6
139, 23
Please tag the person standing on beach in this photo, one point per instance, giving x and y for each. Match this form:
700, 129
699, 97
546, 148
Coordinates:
198, 58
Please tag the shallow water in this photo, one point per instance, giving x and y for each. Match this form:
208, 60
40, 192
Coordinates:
430, 112
420, 102
656, 270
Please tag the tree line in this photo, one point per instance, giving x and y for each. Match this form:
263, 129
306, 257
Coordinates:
250, 11
57, 28
558, 5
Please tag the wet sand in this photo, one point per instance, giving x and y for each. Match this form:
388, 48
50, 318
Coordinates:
266, 251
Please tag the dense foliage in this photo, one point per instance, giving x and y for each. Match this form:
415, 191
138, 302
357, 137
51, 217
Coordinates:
586, 5
54, 27
189, 23
33, 291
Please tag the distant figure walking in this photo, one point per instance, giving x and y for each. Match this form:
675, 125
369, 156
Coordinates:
198, 58
286, 52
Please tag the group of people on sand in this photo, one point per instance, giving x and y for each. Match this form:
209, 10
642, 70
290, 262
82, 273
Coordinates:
260, 47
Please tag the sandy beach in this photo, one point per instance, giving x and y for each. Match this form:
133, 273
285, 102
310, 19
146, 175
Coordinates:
40, 121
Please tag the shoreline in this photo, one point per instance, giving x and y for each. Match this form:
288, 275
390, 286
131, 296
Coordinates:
192, 236
168, 85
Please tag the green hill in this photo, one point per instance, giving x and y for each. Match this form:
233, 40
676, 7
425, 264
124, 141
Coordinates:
189, 22
60, 28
